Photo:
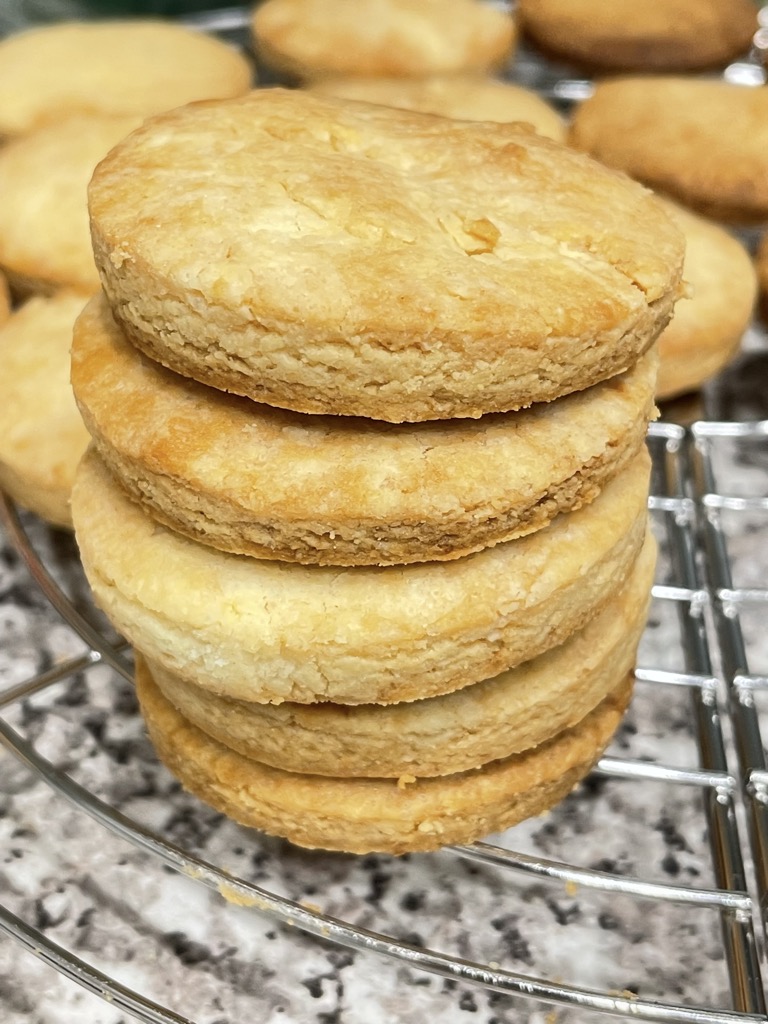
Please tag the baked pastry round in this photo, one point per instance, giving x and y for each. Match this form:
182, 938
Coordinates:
701, 141
493, 719
707, 327
315, 38
271, 631
42, 436
44, 236
260, 481
382, 815
464, 97
665, 35
466, 268
111, 67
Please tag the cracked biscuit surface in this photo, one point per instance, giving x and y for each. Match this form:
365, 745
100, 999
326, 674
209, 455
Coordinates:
256, 480
271, 631
383, 815
492, 719
423, 269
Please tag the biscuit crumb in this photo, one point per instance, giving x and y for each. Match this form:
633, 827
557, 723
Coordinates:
405, 780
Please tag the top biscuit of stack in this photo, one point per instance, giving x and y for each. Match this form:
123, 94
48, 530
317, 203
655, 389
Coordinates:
333, 257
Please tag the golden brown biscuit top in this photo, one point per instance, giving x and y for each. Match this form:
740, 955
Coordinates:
313, 38
326, 218
465, 97
113, 67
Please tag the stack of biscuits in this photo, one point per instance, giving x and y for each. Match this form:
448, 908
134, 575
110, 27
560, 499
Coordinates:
368, 391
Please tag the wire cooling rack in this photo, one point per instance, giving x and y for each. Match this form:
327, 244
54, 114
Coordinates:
643, 895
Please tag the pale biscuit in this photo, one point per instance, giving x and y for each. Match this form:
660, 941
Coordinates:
701, 141
254, 480
707, 327
44, 236
315, 38
422, 269
463, 97
382, 815
441, 735
663, 35
273, 631
42, 435
111, 67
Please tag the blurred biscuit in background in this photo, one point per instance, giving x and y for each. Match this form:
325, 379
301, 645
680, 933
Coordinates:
42, 435
400, 38
111, 67
707, 327
663, 35
464, 97
45, 241
701, 141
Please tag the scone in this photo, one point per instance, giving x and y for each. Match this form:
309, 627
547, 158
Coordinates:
270, 631
496, 718
708, 325
111, 67
42, 435
465, 97
701, 141
315, 38
362, 260
663, 35
255, 480
44, 237
382, 815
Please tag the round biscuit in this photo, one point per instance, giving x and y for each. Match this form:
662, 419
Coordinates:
254, 480
315, 38
463, 97
664, 35
496, 718
271, 631
381, 815
424, 268
42, 435
701, 141
117, 67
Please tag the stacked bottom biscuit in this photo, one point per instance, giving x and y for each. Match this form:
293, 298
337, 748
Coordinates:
300, 687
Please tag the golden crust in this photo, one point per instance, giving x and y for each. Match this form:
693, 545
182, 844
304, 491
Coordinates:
366, 815
114, 68
707, 327
441, 735
260, 481
464, 97
464, 268
665, 35
44, 237
271, 631
315, 38
701, 141
42, 436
